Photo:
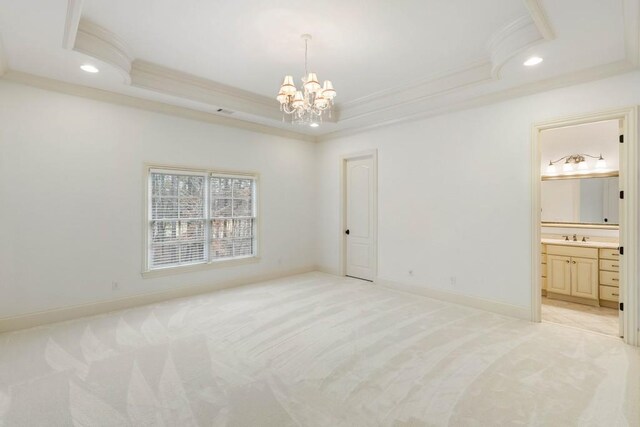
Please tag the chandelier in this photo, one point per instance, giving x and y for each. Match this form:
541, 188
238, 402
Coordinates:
309, 105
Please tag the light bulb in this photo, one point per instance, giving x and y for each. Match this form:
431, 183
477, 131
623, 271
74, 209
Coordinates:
601, 163
582, 165
314, 125
567, 167
551, 169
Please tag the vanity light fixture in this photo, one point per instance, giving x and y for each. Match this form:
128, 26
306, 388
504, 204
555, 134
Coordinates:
574, 161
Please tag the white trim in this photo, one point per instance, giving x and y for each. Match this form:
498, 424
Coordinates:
102, 44
373, 154
512, 39
628, 215
146, 75
428, 87
47, 317
631, 16
466, 300
71, 23
149, 105
540, 18
425, 108
4, 66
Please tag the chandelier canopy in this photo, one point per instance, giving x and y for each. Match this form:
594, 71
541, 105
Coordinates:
308, 105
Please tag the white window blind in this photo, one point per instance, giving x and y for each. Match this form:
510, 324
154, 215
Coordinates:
232, 217
199, 217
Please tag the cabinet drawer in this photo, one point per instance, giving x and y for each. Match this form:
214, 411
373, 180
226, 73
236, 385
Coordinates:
609, 293
572, 251
610, 264
610, 278
609, 254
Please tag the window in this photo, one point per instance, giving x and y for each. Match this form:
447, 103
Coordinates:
199, 217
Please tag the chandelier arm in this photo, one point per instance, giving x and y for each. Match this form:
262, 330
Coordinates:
287, 109
589, 155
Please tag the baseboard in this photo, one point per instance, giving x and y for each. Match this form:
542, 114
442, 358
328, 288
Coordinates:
46, 317
475, 302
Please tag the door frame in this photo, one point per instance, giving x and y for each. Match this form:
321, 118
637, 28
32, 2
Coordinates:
342, 247
628, 213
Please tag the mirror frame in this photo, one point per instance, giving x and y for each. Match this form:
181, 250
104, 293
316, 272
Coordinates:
580, 224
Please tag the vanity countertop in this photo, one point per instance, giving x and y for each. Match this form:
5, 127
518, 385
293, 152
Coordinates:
587, 244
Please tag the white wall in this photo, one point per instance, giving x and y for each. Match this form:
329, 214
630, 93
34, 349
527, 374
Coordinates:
455, 191
71, 197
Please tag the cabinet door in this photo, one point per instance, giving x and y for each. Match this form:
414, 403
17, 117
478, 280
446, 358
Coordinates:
559, 274
584, 278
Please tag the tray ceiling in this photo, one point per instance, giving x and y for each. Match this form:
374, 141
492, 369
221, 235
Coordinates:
389, 61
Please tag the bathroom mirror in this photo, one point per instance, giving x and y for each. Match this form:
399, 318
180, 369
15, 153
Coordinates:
580, 201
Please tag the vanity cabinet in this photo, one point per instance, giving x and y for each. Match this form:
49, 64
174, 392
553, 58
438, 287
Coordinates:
609, 277
572, 272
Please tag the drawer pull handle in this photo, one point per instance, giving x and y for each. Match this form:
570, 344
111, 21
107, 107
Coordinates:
615, 295
567, 261
614, 265
614, 279
574, 262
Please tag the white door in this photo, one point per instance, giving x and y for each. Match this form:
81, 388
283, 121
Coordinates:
359, 231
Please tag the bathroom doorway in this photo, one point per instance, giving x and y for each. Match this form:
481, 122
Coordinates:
584, 219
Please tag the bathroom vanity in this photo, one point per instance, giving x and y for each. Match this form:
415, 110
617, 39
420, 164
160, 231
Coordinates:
581, 272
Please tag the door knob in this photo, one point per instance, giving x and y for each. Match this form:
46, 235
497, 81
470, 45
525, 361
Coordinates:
346, 232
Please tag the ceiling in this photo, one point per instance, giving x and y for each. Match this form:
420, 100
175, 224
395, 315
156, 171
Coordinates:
389, 61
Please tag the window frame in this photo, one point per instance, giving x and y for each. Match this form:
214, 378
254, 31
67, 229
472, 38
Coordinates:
147, 271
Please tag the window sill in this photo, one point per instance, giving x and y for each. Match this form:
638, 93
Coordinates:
169, 271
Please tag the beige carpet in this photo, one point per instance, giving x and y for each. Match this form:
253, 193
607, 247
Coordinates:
314, 350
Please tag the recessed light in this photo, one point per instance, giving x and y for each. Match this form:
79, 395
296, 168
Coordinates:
534, 60
89, 68
314, 125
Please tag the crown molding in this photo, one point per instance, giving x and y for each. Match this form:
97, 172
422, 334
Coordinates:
72, 21
510, 40
149, 105
409, 94
631, 12
507, 42
569, 79
146, 75
102, 44
540, 19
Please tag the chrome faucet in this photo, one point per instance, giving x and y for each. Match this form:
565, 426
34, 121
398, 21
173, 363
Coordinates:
575, 237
